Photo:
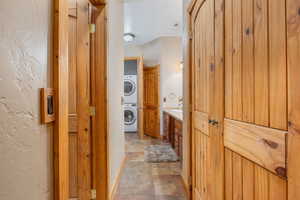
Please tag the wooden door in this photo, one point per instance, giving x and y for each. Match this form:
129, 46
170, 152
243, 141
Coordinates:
140, 73
151, 101
100, 172
207, 100
255, 124
79, 100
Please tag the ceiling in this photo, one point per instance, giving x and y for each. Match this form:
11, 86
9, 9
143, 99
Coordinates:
150, 19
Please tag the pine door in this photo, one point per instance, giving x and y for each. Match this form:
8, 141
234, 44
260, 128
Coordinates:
151, 101
79, 101
255, 124
207, 101
245, 99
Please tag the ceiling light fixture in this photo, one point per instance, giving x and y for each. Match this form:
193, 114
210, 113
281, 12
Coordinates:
128, 37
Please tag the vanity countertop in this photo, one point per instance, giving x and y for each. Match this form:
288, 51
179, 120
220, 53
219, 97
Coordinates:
177, 113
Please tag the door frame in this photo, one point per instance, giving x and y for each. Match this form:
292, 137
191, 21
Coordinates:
218, 111
140, 78
61, 125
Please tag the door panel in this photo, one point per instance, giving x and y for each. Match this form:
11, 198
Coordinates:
264, 146
207, 94
256, 89
73, 115
248, 181
255, 121
151, 101
79, 100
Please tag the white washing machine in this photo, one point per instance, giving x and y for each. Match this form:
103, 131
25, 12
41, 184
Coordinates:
130, 117
130, 89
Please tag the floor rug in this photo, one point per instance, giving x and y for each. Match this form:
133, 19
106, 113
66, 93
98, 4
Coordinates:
160, 153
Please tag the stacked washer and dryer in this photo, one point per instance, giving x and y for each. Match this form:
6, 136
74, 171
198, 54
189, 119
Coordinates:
130, 103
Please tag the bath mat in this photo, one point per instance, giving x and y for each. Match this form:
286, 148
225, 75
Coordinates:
160, 153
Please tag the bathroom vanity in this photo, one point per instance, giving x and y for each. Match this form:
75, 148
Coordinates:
172, 129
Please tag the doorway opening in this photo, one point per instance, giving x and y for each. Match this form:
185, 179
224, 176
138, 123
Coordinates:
153, 101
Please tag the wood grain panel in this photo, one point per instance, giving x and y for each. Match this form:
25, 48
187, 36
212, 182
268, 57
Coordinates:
277, 188
99, 100
201, 122
261, 60
263, 146
228, 58
73, 165
261, 184
228, 175
201, 181
72, 64
237, 109
278, 71
248, 61
293, 60
83, 99
237, 177
248, 180
60, 84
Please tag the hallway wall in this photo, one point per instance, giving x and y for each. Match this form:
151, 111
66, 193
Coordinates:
25, 56
115, 88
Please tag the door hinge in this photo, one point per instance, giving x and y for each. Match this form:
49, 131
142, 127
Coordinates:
93, 194
92, 28
92, 110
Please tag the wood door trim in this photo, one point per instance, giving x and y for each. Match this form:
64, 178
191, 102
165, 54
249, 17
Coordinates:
60, 83
100, 180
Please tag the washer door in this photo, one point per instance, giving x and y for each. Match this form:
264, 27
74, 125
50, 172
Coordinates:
129, 87
129, 116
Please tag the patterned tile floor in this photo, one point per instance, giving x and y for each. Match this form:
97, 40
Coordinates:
148, 181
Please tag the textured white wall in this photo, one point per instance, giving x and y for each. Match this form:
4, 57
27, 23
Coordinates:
25, 145
115, 87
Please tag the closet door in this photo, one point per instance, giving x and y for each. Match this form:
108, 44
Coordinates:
255, 124
207, 100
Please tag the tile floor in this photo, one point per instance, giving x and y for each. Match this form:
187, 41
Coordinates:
148, 181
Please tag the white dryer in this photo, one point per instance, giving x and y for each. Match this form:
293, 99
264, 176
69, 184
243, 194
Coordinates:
130, 89
130, 117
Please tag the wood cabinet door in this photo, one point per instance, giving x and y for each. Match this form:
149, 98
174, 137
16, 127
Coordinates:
151, 101
255, 123
207, 100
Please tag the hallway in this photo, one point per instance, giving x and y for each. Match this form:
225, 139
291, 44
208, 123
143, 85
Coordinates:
148, 181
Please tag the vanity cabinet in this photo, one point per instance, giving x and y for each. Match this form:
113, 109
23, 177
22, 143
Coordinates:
172, 134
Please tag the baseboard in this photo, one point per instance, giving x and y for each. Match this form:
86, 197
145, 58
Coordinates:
117, 180
186, 187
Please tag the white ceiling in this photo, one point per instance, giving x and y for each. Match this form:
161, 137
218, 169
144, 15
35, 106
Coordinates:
150, 19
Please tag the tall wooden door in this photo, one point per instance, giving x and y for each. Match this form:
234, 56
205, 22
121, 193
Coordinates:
151, 101
256, 120
79, 100
207, 100
248, 127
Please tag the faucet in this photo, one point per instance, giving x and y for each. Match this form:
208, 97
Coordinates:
180, 101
